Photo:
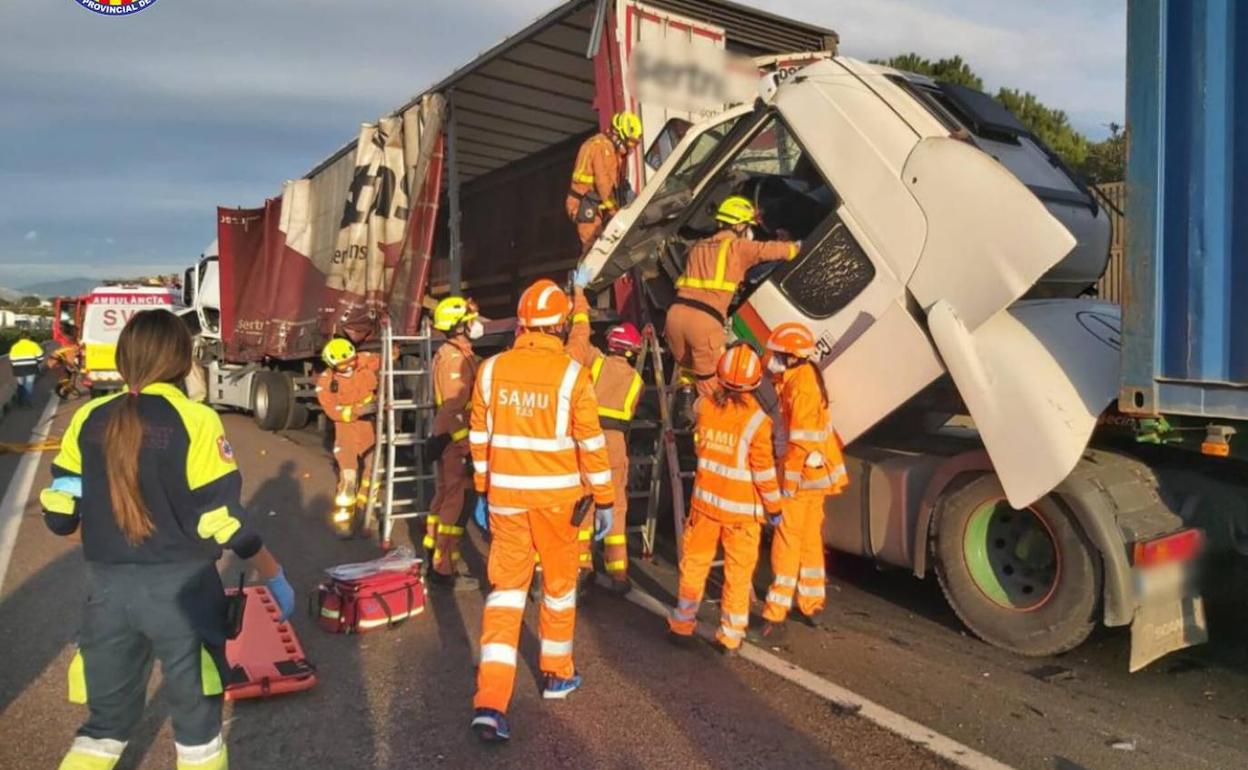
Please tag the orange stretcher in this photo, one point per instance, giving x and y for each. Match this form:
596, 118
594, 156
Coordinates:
266, 657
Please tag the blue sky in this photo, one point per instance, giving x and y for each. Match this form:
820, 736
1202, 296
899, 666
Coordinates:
122, 134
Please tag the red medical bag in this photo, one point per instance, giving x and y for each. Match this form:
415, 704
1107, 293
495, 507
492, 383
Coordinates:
380, 600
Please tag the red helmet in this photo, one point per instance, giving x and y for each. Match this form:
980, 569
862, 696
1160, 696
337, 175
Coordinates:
543, 305
623, 339
740, 368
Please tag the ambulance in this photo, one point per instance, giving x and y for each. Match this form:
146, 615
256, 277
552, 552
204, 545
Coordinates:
105, 311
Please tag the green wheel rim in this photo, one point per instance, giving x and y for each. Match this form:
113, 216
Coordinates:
1011, 555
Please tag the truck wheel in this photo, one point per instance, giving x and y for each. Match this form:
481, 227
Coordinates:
270, 401
1025, 580
299, 417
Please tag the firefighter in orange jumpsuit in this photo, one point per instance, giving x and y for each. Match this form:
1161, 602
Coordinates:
535, 443
596, 176
733, 489
346, 390
813, 469
454, 372
716, 265
617, 386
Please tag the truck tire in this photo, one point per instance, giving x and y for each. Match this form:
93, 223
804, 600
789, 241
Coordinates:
1028, 581
299, 417
270, 400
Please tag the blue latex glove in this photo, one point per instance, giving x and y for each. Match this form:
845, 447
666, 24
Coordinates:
481, 514
773, 519
282, 592
70, 485
604, 516
581, 276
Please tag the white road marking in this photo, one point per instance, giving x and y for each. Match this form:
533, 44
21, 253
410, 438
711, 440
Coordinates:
18, 493
846, 700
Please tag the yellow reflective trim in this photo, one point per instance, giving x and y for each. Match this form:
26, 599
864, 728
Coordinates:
630, 402
218, 525
580, 318
584, 534
209, 674
721, 271
77, 679
56, 501
70, 455
585, 557
427, 542
616, 540
582, 178
460, 434
792, 250
445, 529
207, 459
595, 369
617, 566
221, 761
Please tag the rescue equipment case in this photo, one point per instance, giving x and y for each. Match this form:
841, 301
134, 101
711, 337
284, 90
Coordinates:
370, 602
266, 657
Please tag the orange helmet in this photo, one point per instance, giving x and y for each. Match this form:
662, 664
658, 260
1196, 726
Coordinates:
542, 305
740, 368
792, 339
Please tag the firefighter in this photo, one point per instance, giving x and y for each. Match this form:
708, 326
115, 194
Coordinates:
734, 487
716, 265
25, 356
346, 390
454, 372
599, 169
617, 387
813, 470
535, 442
149, 480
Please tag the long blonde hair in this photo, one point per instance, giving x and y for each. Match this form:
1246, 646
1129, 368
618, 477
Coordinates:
154, 347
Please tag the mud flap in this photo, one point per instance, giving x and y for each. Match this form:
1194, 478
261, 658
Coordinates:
1171, 615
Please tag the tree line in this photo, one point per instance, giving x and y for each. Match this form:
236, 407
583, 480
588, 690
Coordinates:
1097, 162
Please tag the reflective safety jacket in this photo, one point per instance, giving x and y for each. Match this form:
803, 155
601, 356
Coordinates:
736, 473
25, 356
535, 429
598, 167
716, 265
343, 394
187, 478
617, 385
812, 463
454, 372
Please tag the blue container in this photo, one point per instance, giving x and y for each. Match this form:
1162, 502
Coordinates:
1185, 325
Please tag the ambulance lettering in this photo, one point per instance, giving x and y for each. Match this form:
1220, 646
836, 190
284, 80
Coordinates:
524, 402
718, 440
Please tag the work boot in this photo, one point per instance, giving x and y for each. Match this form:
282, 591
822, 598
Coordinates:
767, 634
583, 583
491, 726
685, 641
456, 583
559, 689
726, 651
810, 621
620, 588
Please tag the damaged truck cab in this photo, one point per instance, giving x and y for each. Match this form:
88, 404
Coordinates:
944, 252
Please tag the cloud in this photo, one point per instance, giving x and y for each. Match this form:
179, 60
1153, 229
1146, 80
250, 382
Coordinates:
31, 235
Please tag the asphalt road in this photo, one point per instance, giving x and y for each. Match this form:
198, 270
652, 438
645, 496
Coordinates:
402, 697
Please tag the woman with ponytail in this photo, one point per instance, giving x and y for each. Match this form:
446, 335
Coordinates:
149, 480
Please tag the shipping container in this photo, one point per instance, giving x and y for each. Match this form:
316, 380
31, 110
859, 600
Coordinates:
1185, 324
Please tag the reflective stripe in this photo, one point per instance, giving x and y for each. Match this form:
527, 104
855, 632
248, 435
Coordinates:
785, 580
617, 566
205, 755
583, 178
770, 496
812, 572
510, 481
504, 511
736, 620
599, 478
585, 558
209, 674
564, 410
528, 444
731, 632
721, 269
719, 469
750, 509
478, 437
783, 600
593, 444
679, 614
218, 525
480, 466
804, 590
765, 475
584, 533
560, 603
747, 436
506, 600
793, 476
550, 647
447, 529
460, 434
595, 369
93, 753
77, 679
487, 393
616, 540
498, 653
820, 483
580, 318
808, 435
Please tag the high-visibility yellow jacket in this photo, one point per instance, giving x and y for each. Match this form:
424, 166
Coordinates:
736, 473
535, 431
716, 265
617, 385
813, 463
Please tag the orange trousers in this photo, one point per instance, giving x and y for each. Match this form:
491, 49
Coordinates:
697, 341
352, 440
444, 527
547, 532
615, 545
740, 538
797, 559
588, 232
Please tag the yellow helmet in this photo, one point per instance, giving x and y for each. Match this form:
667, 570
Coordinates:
736, 210
627, 126
451, 312
337, 352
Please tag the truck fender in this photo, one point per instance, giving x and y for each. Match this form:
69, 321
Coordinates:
1080, 493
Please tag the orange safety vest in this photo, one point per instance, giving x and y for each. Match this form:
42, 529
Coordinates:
809, 423
454, 372
736, 473
534, 429
617, 386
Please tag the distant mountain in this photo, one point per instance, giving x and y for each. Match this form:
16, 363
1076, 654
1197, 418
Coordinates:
10, 295
66, 287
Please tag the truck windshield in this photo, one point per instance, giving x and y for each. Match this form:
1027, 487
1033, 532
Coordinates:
689, 169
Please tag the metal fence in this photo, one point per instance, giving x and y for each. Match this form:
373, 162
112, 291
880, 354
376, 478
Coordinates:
1112, 285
